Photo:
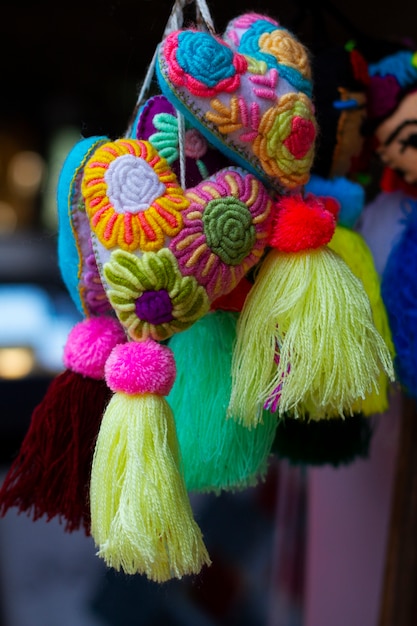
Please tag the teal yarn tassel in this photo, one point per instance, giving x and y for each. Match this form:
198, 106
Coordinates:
217, 453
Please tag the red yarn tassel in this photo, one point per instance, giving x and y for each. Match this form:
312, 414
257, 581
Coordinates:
51, 474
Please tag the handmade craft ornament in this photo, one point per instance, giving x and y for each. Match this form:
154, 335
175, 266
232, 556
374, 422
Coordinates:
306, 342
248, 94
164, 255
142, 520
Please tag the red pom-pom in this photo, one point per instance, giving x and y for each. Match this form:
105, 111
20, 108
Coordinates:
301, 224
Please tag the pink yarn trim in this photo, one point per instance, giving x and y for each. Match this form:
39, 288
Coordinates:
246, 20
89, 344
140, 368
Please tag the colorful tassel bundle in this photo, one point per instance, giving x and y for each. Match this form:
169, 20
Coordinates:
218, 453
312, 344
157, 257
141, 517
353, 249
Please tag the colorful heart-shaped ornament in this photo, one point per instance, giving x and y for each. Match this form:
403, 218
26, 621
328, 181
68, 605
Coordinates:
249, 94
165, 254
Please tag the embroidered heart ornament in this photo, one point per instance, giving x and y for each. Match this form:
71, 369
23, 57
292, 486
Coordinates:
248, 95
165, 254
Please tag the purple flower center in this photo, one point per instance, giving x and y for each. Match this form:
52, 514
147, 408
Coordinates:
154, 307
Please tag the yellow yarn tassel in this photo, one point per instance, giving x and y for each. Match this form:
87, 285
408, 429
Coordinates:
354, 250
141, 518
310, 309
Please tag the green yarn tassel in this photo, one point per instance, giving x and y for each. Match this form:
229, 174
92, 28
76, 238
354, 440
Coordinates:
218, 453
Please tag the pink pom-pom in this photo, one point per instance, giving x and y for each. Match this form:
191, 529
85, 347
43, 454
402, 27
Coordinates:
301, 224
140, 368
89, 344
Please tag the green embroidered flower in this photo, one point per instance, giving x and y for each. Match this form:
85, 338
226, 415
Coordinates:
150, 296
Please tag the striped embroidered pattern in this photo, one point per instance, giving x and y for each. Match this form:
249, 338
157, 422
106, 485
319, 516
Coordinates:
225, 230
132, 196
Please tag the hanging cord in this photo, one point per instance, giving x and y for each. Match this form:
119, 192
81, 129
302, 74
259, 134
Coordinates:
175, 22
204, 22
203, 16
181, 146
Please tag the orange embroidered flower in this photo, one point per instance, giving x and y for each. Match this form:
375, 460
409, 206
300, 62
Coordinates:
286, 49
132, 197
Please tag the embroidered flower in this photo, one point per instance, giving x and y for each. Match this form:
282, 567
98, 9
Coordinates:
225, 230
204, 64
132, 197
286, 50
279, 49
150, 296
285, 143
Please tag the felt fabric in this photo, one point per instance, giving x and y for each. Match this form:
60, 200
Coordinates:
75, 253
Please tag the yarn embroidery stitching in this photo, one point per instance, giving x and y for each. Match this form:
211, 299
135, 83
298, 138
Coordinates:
225, 230
150, 296
285, 143
203, 63
278, 48
132, 196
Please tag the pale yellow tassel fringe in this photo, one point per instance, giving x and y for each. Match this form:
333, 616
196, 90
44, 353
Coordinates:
141, 517
312, 309
354, 250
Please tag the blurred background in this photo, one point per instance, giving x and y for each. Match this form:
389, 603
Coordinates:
74, 70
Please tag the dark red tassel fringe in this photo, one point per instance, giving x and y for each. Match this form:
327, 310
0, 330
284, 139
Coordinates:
51, 475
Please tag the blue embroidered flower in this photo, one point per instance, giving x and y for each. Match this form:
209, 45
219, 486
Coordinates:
203, 63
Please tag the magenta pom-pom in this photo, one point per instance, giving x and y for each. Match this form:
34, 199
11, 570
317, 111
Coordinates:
140, 368
90, 343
